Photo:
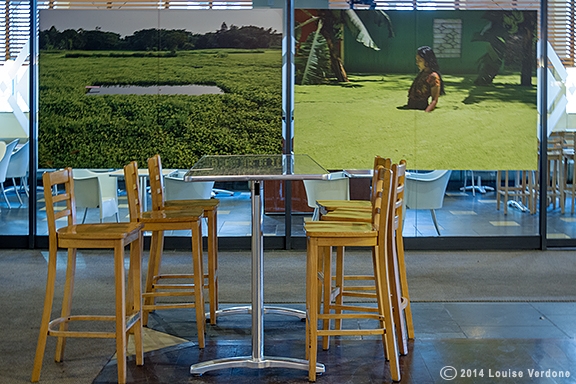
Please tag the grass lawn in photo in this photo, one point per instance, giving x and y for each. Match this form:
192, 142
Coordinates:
109, 130
343, 126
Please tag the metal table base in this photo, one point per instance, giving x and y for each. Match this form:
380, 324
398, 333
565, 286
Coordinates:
257, 309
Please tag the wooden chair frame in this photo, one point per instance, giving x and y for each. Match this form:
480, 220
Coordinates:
321, 237
209, 209
74, 236
400, 295
157, 222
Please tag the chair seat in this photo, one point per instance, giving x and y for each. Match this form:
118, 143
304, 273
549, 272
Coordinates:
331, 205
201, 203
339, 229
171, 216
344, 214
99, 231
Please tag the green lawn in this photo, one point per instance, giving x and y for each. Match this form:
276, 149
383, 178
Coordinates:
108, 131
481, 128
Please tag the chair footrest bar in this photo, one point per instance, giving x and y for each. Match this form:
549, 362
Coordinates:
174, 276
168, 294
344, 316
173, 286
153, 307
351, 332
88, 334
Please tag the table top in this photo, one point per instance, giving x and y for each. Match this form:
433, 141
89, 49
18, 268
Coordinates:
256, 167
142, 172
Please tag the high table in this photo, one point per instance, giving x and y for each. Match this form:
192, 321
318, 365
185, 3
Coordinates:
256, 169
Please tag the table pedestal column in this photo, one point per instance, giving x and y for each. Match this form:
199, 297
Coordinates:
257, 360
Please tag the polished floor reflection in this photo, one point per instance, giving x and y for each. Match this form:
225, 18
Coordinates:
529, 335
483, 342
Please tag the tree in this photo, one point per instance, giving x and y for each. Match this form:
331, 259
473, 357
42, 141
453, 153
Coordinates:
511, 38
330, 24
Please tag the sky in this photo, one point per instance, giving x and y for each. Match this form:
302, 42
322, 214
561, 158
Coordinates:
126, 22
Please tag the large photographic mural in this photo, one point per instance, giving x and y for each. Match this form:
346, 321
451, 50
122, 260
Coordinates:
117, 86
355, 70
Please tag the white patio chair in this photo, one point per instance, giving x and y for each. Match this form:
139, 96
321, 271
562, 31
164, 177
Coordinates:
96, 190
175, 188
4, 161
18, 169
426, 191
336, 188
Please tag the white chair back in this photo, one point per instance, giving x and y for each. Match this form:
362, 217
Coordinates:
18, 166
175, 188
5, 159
337, 187
426, 190
96, 190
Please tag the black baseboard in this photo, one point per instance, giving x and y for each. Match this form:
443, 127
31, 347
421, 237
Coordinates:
278, 242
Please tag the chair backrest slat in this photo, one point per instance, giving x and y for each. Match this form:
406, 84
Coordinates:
378, 162
52, 197
156, 182
399, 204
383, 191
133, 191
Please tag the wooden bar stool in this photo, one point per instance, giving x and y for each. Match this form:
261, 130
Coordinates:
321, 237
157, 222
116, 236
397, 266
209, 208
519, 188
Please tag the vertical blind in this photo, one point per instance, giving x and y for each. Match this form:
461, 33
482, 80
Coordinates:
15, 15
14, 28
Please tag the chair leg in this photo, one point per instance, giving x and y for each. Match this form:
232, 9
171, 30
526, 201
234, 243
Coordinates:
383, 296
154, 261
312, 307
5, 197
339, 285
121, 337
327, 290
24, 183
212, 265
66, 301
198, 281
135, 296
46, 314
84, 217
16, 191
404, 284
316, 214
396, 296
433, 213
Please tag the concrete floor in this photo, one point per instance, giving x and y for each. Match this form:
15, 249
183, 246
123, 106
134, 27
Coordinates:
480, 335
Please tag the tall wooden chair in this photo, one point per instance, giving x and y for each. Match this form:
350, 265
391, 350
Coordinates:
72, 236
399, 288
209, 208
518, 186
158, 221
321, 237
